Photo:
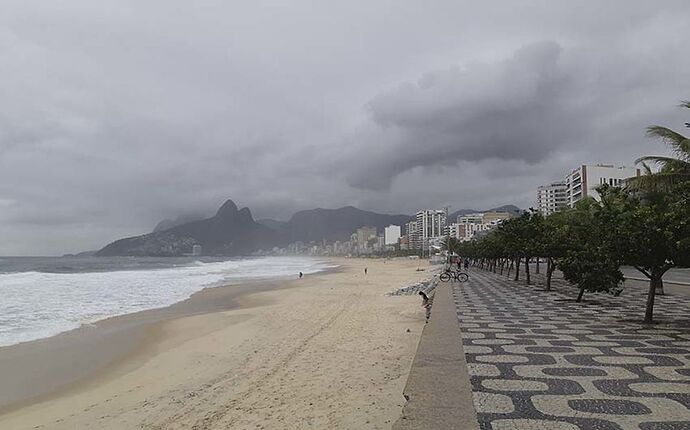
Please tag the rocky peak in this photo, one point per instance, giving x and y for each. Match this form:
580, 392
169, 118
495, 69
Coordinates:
245, 215
229, 209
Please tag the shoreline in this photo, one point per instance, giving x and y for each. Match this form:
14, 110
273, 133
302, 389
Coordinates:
231, 280
109, 342
332, 350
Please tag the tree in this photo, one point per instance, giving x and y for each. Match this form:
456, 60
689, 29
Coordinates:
651, 233
590, 261
511, 236
554, 241
674, 170
451, 244
532, 238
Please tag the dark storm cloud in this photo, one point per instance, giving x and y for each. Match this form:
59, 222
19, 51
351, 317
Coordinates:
117, 114
541, 100
518, 109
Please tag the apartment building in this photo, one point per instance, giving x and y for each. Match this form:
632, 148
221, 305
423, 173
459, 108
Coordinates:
582, 181
552, 197
431, 224
470, 225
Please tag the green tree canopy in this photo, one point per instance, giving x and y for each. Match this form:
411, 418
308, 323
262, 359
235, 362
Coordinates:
650, 232
590, 261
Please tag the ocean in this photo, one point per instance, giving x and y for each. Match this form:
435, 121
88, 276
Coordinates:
44, 296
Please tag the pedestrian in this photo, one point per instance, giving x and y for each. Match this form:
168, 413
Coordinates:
365, 270
426, 304
467, 263
459, 264
300, 275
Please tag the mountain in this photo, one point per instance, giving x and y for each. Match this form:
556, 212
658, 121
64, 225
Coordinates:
181, 219
271, 223
511, 209
230, 232
233, 231
336, 224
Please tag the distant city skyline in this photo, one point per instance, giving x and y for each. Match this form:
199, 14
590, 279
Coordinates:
117, 116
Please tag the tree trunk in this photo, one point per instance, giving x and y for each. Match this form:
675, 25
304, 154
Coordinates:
660, 287
653, 285
528, 280
517, 269
579, 296
510, 267
549, 272
536, 269
503, 263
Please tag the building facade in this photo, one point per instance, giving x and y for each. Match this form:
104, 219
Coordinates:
413, 236
552, 198
431, 224
582, 181
494, 217
364, 234
469, 226
392, 234
453, 230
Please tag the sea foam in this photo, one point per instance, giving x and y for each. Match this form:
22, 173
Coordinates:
35, 305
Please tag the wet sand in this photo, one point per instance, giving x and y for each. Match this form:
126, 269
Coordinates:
39, 368
327, 351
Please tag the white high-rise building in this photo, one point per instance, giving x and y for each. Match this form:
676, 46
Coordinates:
454, 230
552, 198
431, 224
470, 224
582, 181
392, 234
412, 233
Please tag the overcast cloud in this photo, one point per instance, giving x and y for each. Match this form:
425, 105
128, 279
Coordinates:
117, 114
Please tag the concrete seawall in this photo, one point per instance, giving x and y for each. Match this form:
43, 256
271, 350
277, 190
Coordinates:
438, 389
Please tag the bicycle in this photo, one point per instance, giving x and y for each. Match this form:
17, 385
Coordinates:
456, 276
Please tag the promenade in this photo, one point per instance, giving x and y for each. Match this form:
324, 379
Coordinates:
538, 360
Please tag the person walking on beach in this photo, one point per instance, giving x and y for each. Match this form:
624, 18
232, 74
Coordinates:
365, 270
426, 304
300, 275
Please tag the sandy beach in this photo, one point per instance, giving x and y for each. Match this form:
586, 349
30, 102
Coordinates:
328, 351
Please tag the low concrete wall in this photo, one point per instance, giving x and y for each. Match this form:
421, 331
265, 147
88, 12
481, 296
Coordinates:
438, 391
666, 281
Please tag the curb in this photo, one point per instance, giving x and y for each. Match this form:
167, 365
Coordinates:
438, 391
632, 278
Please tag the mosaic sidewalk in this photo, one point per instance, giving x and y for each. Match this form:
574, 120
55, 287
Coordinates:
538, 360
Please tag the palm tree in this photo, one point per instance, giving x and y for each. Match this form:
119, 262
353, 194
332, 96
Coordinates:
673, 170
450, 244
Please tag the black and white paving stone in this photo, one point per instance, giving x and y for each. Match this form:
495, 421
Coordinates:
538, 360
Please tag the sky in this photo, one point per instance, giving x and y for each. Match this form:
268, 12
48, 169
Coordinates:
117, 114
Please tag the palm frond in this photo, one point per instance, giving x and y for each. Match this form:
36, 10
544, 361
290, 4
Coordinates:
666, 134
645, 166
656, 159
673, 171
656, 182
678, 143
